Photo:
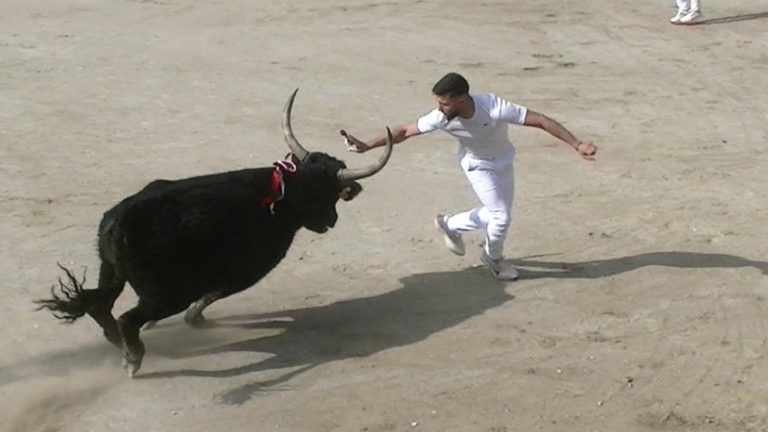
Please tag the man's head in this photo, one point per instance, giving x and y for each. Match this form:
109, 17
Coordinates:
452, 95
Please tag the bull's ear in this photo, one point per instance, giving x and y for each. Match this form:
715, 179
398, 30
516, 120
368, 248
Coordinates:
293, 158
346, 193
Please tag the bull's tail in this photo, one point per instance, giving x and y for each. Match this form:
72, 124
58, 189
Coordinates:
73, 301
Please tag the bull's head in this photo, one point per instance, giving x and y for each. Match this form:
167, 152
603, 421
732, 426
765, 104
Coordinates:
323, 179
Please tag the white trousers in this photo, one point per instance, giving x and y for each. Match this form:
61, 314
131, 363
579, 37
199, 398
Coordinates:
688, 5
494, 186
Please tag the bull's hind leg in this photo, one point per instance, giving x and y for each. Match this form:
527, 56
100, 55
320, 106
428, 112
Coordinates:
130, 324
111, 285
111, 281
194, 316
74, 301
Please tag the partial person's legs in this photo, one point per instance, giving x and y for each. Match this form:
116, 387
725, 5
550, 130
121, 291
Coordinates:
452, 239
693, 15
683, 6
495, 189
695, 5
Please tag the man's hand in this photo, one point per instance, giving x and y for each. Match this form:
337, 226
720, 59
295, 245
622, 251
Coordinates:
354, 144
586, 150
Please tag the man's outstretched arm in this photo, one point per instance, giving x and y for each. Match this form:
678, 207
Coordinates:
587, 150
399, 134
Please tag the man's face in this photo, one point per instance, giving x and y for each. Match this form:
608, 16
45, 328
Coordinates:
451, 106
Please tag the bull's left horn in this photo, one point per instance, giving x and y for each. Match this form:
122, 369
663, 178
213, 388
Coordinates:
360, 173
290, 139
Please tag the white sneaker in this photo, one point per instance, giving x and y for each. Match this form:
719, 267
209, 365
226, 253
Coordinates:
500, 269
691, 17
453, 240
680, 13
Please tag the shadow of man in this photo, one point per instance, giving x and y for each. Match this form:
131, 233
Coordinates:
426, 304
734, 18
614, 266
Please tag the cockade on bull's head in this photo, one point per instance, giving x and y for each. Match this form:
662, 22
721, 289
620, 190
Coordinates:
184, 244
277, 184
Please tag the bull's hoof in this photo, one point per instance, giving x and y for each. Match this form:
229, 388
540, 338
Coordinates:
132, 360
130, 369
131, 366
197, 320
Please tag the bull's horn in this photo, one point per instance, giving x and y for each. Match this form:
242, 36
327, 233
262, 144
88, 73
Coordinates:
360, 173
290, 139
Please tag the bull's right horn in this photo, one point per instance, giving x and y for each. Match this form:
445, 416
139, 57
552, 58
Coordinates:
361, 173
290, 139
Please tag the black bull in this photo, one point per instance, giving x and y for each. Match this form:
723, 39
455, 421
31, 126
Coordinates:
196, 240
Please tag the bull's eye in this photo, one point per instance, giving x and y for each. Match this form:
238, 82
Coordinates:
346, 193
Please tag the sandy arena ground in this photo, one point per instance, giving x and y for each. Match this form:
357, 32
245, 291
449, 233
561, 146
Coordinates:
643, 302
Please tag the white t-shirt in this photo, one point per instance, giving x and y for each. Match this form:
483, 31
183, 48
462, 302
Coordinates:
484, 135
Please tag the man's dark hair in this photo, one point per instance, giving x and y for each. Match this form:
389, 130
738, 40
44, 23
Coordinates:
452, 84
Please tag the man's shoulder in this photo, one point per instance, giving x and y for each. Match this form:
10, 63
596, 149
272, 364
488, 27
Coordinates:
434, 116
487, 99
494, 102
430, 121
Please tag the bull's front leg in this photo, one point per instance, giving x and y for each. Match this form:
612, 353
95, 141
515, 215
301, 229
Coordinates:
194, 316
